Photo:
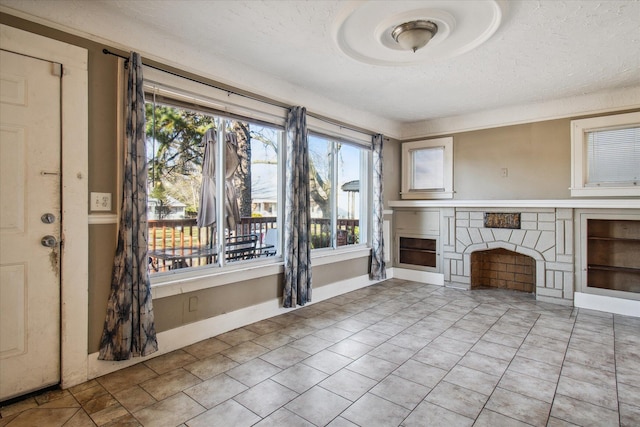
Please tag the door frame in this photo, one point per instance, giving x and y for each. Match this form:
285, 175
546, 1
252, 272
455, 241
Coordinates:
74, 268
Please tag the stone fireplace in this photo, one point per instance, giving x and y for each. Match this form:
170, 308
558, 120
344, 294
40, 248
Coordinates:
545, 236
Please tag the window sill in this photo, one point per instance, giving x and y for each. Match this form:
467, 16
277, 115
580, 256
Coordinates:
344, 253
605, 192
195, 280
427, 195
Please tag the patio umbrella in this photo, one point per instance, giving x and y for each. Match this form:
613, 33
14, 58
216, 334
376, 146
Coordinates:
207, 212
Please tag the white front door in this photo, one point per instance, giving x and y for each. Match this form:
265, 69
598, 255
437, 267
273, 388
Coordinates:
30, 215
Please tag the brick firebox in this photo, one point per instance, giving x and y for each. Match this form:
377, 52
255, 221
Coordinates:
501, 268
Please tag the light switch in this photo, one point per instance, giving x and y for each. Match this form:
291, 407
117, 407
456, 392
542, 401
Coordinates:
100, 201
193, 304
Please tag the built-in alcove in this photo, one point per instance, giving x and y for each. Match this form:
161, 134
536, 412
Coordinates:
501, 268
613, 254
417, 251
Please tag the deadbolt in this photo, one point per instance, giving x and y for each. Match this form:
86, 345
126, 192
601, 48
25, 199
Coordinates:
48, 218
48, 241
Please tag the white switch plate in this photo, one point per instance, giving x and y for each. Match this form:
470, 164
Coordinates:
100, 201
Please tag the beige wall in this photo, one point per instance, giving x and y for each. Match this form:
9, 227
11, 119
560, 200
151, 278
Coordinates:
537, 157
179, 310
391, 159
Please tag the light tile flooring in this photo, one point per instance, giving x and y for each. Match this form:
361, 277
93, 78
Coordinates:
398, 353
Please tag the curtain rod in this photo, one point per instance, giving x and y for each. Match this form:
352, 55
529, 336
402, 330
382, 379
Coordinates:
108, 52
272, 103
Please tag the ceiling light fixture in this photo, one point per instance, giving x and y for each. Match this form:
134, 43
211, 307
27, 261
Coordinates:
415, 34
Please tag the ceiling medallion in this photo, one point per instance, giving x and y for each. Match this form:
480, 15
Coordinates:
409, 32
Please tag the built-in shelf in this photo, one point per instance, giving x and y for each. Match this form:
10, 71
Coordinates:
613, 254
616, 239
417, 251
614, 268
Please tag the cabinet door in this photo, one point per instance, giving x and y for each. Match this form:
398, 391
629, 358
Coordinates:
418, 221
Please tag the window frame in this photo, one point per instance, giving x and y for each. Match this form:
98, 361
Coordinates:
180, 92
408, 169
366, 164
579, 155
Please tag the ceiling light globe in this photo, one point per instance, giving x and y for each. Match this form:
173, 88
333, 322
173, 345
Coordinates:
415, 34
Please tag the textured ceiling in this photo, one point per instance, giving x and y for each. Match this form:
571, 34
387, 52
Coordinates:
542, 50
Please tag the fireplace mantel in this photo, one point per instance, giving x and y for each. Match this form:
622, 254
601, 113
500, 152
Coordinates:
550, 203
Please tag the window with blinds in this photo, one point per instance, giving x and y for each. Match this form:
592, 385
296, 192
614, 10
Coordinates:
605, 156
613, 157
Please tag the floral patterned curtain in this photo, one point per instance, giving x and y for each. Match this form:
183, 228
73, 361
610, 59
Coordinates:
297, 218
129, 327
378, 270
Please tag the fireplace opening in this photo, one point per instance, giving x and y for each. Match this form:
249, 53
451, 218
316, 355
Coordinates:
504, 269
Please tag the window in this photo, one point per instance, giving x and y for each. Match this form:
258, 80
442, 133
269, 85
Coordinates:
606, 156
338, 183
192, 228
182, 115
427, 169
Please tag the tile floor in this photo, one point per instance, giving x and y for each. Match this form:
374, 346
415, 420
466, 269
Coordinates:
398, 353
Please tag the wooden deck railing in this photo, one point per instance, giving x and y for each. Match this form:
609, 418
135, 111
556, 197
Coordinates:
175, 236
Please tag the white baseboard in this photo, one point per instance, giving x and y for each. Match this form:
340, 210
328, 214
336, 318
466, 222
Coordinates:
419, 276
614, 305
192, 333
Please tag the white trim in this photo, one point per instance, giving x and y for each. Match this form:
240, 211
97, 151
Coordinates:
418, 276
75, 199
607, 304
103, 219
551, 203
421, 195
194, 332
341, 133
597, 103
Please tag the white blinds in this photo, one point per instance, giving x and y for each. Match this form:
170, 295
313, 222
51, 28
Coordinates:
613, 156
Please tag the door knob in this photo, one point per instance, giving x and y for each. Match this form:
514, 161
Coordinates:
48, 241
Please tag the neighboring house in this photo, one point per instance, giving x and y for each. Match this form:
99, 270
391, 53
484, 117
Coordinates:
169, 209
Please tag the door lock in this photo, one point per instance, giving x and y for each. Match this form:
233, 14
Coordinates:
48, 241
48, 218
